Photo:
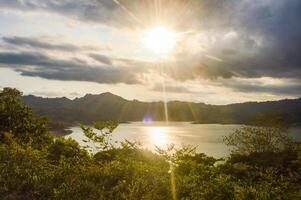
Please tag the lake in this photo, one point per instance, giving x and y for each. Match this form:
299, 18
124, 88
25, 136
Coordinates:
208, 138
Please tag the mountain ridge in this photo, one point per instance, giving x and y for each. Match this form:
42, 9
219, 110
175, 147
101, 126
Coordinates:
158, 101
108, 106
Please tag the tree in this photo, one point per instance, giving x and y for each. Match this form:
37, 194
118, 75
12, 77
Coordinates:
33, 168
99, 136
18, 119
252, 139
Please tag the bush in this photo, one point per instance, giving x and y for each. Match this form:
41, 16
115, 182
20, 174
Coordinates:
36, 165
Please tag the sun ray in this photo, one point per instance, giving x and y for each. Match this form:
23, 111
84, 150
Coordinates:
159, 39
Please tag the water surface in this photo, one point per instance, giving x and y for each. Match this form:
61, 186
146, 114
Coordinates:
208, 138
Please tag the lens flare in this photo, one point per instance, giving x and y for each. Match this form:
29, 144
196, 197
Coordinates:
160, 39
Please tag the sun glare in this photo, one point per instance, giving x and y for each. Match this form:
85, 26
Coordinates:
160, 39
158, 136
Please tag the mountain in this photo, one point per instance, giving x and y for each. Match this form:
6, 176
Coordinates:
107, 106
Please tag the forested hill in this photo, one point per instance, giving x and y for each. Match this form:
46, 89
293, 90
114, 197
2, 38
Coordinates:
107, 106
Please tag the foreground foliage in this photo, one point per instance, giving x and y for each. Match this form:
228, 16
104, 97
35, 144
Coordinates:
36, 165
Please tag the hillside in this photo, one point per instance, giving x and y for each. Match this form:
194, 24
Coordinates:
107, 106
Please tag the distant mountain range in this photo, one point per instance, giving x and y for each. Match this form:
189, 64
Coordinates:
107, 106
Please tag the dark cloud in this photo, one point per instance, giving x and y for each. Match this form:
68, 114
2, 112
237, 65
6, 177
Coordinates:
35, 43
189, 67
292, 90
39, 65
101, 58
267, 40
93, 11
291, 87
119, 13
250, 38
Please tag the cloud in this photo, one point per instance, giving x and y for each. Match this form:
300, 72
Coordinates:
254, 38
38, 44
263, 34
101, 58
47, 93
39, 65
288, 87
249, 39
171, 88
121, 13
231, 39
89, 11
292, 90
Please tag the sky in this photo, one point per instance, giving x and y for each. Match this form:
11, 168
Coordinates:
226, 51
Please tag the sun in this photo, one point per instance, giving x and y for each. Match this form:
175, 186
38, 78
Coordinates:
160, 39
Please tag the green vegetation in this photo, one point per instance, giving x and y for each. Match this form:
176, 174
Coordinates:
106, 106
34, 164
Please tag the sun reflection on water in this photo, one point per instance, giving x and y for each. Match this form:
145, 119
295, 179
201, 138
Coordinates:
158, 136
